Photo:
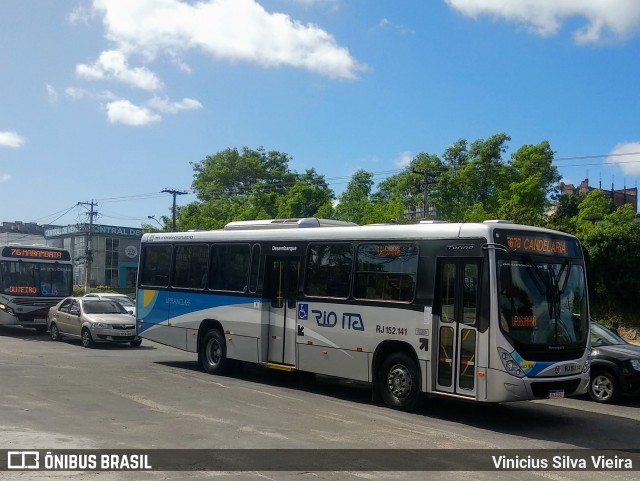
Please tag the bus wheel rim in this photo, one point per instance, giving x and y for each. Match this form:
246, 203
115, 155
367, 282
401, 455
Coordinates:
399, 381
213, 352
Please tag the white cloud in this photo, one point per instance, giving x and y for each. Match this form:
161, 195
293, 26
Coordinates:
227, 29
80, 15
52, 93
627, 156
112, 64
75, 93
11, 139
401, 29
166, 106
403, 160
124, 112
604, 18
4, 177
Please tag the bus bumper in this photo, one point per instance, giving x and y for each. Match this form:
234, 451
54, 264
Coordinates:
502, 387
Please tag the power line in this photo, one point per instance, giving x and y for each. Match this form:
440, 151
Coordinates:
335, 180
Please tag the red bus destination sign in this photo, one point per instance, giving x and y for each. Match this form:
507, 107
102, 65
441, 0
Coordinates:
35, 253
541, 244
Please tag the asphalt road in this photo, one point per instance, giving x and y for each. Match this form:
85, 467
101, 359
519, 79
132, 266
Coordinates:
59, 395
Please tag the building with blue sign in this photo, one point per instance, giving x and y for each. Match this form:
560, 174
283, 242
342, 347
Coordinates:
113, 251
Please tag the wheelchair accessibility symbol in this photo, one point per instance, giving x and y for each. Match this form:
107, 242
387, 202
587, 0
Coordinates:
303, 312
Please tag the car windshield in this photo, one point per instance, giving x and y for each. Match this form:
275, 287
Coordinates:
124, 300
543, 303
601, 336
103, 307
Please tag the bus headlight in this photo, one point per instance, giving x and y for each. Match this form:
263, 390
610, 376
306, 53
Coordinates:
7, 309
510, 364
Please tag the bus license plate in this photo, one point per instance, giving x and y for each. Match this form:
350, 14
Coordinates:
556, 394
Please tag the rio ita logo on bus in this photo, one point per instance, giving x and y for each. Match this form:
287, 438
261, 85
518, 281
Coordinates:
350, 320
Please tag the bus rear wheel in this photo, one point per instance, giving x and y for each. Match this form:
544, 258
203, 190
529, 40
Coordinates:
399, 382
214, 352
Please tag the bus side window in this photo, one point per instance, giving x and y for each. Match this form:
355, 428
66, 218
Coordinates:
156, 265
329, 270
386, 272
229, 269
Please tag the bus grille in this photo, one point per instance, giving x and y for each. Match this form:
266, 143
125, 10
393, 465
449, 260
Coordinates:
25, 301
541, 389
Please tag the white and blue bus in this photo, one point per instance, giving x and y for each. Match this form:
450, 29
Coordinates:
32, 279
490, 312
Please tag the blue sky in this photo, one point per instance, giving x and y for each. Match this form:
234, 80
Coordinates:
111, 100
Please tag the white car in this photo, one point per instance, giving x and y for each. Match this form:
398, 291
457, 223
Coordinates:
126, 302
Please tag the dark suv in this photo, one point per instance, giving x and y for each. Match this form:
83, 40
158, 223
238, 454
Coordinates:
615, 366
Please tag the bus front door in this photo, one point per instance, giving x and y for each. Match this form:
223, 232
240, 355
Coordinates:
456, 325
282, 288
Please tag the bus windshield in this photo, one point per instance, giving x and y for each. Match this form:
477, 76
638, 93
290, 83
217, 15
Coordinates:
35, 279
543, 304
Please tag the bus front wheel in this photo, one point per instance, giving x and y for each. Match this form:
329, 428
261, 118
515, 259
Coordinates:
214, 352
400, 382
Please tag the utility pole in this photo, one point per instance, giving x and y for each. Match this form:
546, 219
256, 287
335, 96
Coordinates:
88, 252
174, 192
428, 178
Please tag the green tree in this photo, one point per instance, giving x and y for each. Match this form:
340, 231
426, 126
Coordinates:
595, 206
404, 192
309, 196
565, 214
532, 184
612, 245
250, 184
354, 201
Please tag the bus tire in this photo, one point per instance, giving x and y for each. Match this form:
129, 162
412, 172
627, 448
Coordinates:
87, 340
399, 382
214, 353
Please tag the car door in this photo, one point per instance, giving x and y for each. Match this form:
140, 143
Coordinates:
61, 316
75, 318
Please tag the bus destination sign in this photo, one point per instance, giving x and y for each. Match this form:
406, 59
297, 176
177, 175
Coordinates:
35, 253
534, 243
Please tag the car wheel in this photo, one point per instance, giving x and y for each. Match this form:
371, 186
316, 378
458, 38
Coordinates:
214, 353
136, 343
399, 382
55, 333
603, 387
87, 340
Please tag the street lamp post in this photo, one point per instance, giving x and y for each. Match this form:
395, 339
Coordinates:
153, 217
